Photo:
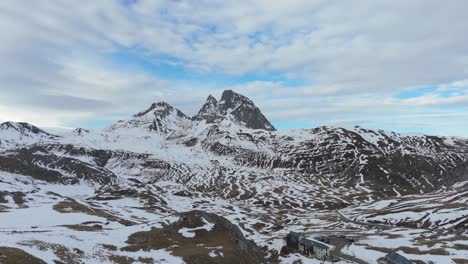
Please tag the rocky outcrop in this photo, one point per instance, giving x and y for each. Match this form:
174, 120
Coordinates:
201, 237
244, 111
209, 112
236, 108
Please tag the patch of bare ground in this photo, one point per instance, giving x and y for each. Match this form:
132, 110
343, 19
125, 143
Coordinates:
451, 205
18, 198
410, 250
83, 227
421, 241
224, 243
109, 247
383, 234
71, 206
331, 217
2, 197
460, 261
128, 260
246, 229
64, 254
259, 226
353, 198
4, 208
460, 247
9, 255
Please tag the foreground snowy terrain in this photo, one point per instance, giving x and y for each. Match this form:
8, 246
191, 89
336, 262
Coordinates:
225, 187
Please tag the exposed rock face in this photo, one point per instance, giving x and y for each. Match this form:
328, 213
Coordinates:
244, 111
236, 108
44, 165
209, 111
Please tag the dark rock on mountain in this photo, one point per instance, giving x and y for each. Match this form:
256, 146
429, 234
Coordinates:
244, 111
234, 107
81, 131
38, 162
209, 112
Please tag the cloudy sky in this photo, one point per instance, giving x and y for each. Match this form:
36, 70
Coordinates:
397, 65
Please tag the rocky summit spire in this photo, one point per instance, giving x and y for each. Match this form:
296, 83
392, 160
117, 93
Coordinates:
234, 107
209, 111
210, 107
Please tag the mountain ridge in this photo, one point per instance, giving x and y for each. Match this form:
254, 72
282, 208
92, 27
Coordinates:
370, 160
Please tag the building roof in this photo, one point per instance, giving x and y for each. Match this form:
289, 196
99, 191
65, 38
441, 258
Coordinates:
310, 242
397, 258
294, 237
316, 243
294, 234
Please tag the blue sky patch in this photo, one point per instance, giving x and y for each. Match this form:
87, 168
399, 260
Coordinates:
418, 92
171, 68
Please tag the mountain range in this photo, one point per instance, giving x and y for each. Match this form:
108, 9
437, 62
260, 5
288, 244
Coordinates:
227, 160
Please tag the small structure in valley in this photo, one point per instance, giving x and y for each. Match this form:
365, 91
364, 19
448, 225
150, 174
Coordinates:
393, 258
309, 247
292, 239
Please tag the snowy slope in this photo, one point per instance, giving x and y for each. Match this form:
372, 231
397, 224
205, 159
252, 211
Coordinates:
447, 210
13, 134
163, 143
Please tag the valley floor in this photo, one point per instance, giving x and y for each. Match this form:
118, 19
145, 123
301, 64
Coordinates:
64, 223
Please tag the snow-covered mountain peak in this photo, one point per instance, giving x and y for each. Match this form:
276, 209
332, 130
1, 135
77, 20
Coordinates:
211, 99
161, 109
159, 117
81, 131
21, 127
19, 133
